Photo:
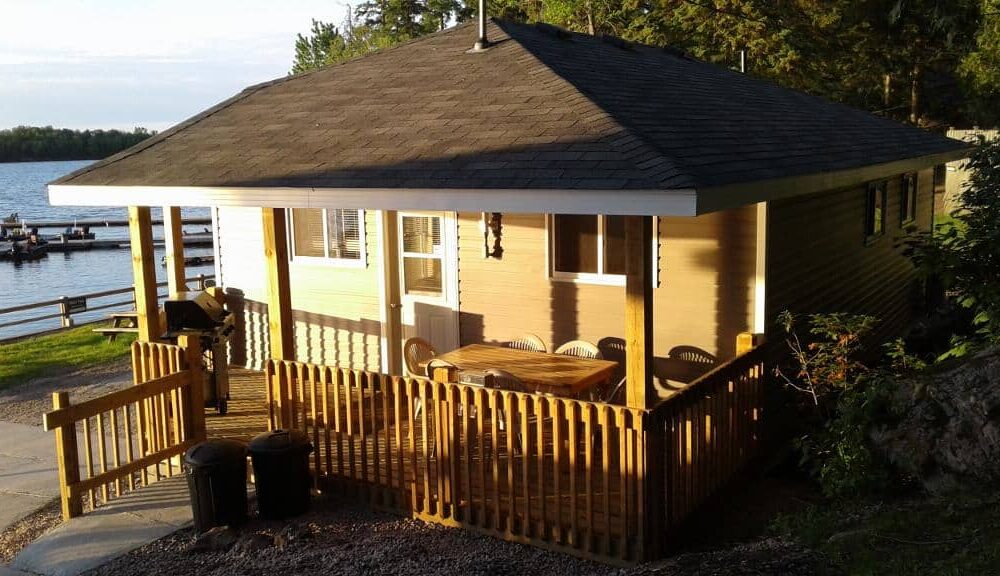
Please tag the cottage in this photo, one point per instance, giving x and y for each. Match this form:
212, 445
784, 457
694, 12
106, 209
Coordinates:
554, 184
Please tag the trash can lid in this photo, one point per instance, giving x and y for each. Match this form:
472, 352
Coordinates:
280, 441
215, 452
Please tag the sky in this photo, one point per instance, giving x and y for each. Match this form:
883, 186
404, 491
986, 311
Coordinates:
151, 63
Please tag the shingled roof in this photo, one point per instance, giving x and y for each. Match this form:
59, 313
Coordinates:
541, 109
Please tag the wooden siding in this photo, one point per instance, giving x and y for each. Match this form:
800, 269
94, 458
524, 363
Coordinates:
336, 308
704, 299
819, 261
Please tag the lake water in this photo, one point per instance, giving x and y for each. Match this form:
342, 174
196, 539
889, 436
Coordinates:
23, 190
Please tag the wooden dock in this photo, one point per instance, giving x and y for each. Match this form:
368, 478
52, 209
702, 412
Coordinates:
89, 223
190, 240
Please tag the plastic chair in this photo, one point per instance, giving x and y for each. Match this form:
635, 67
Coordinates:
692, 354
528, 342
417, 351
503, 380
580, 349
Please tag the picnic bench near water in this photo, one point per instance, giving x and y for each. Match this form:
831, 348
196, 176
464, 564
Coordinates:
121, 323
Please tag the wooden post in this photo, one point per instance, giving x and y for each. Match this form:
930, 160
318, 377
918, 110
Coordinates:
279, 301
639, 391
445, 374
392, 328
140, 230
65, 318
173, 241
68, 460
195, 421
747, 341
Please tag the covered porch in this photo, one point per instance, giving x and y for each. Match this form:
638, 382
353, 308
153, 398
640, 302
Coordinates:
608, 480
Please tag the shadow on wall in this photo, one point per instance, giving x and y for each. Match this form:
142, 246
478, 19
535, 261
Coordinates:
250, 341
335, 341
732, 231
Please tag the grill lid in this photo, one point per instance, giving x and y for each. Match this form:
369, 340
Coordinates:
194, 310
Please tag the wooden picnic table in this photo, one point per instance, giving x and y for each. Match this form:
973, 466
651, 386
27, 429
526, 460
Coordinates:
556, 374
121, 323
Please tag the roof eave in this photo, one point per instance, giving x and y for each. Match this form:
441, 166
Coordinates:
674, 202
718, 198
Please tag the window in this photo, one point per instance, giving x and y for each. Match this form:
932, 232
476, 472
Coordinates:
908, 200
423, 255
877, 198
940, 178
589, 248
331, 235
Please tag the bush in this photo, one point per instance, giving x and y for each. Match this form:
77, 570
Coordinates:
845, 399
963, 255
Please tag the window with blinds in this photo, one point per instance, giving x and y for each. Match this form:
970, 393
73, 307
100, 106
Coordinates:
423, 255
334, 235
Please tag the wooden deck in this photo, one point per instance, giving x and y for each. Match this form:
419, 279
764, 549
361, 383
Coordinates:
247, 414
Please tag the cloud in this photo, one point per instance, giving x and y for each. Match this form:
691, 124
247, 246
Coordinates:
103, 63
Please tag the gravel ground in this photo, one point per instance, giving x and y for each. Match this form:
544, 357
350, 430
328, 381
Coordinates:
25, 403
25, 531
346, 538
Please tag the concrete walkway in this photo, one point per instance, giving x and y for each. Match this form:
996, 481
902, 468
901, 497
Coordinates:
91, 540
29, 476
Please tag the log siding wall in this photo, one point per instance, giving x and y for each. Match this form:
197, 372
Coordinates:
704, 299
336, 308
818, 259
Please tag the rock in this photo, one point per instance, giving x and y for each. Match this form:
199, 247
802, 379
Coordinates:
948, 431
218, 539
253, 543
290, 534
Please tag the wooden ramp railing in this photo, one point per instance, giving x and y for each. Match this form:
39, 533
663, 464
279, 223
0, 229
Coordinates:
553, 472
129, 436
709, 431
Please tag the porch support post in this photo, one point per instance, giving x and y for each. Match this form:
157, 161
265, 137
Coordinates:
639, 391
279, 300
140, 229
173, 240
392, 329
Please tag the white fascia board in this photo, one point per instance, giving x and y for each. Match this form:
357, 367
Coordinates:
615, 202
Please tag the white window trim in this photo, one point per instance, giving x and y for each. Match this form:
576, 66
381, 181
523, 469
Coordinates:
599, 278
910, 216
361, 262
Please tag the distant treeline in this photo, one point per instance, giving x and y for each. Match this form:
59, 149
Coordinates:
32, 143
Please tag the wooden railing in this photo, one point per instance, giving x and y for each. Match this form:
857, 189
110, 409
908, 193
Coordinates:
553, 472
130, 436
708, 431
592, 479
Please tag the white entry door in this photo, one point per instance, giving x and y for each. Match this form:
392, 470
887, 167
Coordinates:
428, 283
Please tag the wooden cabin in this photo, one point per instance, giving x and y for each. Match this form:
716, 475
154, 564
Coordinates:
554, 184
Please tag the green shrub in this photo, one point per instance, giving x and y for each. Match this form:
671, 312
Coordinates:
845, 399
963, 255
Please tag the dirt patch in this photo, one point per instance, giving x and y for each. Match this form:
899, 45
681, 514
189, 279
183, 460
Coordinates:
27, 530
25, 403
340, 537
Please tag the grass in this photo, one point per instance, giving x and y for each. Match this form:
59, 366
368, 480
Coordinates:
918, 535
66, 350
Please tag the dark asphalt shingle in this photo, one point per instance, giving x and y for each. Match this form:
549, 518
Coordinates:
537, 110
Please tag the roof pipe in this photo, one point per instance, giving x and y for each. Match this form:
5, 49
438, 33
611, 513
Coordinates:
482, 43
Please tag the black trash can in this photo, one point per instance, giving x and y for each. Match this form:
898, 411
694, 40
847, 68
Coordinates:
281, 471
217, 482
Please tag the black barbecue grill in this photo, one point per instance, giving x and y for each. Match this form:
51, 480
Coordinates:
199, 314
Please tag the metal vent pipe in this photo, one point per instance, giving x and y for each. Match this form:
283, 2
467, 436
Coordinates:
482, 43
